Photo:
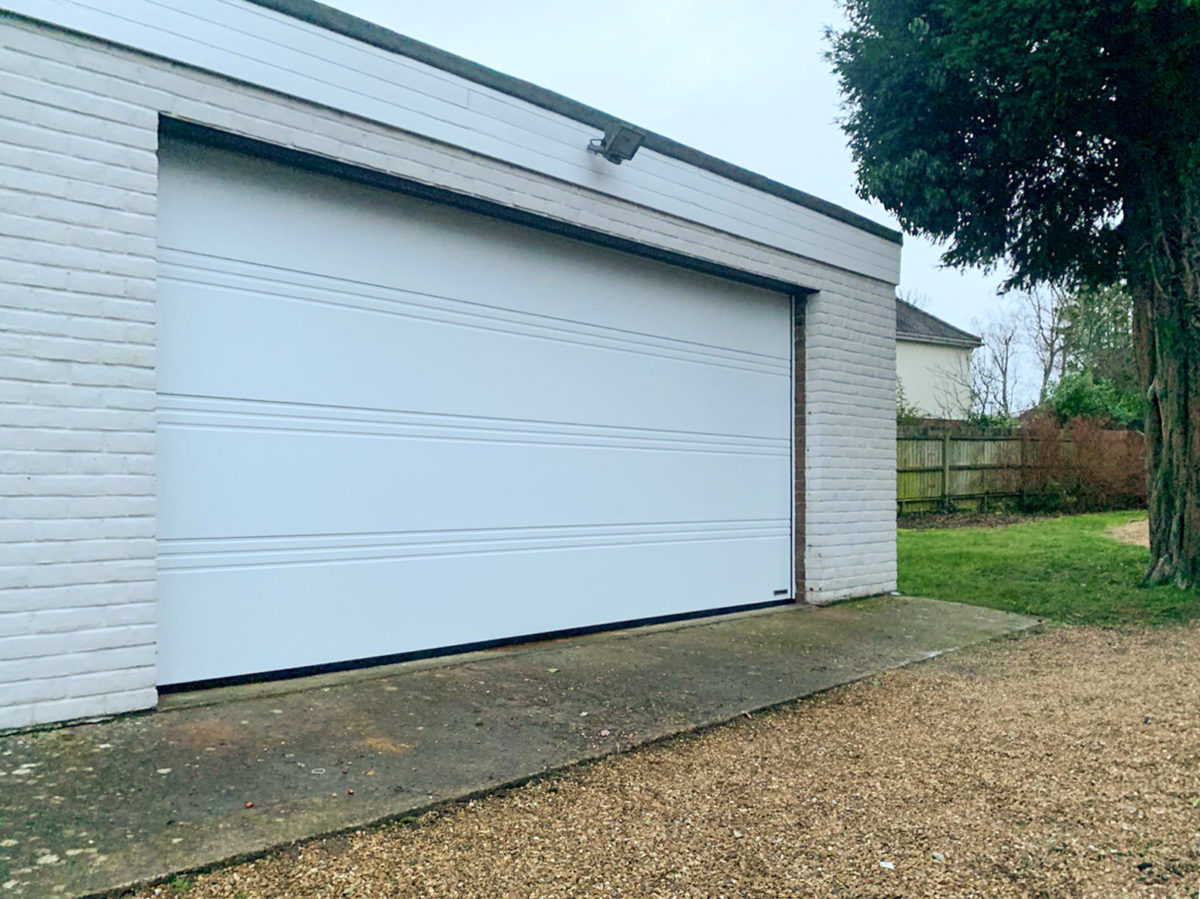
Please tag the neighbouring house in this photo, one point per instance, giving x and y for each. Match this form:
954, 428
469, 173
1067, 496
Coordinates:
325, 347
933, 363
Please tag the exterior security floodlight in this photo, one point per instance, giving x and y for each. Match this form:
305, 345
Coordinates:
619, 143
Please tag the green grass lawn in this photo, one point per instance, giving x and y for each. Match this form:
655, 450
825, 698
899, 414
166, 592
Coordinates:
1064, 569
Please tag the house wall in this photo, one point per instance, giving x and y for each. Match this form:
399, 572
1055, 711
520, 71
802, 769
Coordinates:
935, 379
79, 120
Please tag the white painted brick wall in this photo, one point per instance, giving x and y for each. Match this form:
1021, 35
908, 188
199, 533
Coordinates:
850, 381
78, 184
77, 190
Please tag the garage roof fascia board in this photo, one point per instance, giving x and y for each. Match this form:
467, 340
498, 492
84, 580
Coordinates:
351, 26
171, 126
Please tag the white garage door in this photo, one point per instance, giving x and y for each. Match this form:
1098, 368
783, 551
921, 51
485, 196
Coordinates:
387, 425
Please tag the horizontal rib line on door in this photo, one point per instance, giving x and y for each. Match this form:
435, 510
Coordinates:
177, 410
209, 272
188, 555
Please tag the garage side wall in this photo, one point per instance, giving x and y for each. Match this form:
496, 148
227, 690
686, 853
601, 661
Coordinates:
79, 124
77, 493
850, 441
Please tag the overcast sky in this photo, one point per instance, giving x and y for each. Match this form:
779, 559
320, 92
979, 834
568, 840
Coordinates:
744, 81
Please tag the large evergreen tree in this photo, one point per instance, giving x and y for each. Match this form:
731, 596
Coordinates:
1064, 137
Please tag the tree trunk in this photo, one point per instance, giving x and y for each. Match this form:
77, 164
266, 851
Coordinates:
1162, 225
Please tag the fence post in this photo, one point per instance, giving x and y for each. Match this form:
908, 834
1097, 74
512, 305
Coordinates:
1022, 497
946, 471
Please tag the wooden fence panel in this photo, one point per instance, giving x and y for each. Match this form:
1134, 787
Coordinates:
948, 471
1083, 466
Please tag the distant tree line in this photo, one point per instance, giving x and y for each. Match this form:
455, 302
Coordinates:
1082, 341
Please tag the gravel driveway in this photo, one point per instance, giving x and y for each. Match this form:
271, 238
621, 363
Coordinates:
1063, 764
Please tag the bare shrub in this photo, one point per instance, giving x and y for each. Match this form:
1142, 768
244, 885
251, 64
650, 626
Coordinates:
1083, 467
1109, 466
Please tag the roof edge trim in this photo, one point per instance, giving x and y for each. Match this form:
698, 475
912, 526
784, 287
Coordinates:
964, 343
351, 26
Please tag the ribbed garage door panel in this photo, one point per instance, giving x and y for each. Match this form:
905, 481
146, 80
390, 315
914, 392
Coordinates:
387, 425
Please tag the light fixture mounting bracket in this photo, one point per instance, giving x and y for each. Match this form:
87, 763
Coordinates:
619, 144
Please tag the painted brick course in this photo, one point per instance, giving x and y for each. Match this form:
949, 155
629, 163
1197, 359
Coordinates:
78, 169
850, 441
